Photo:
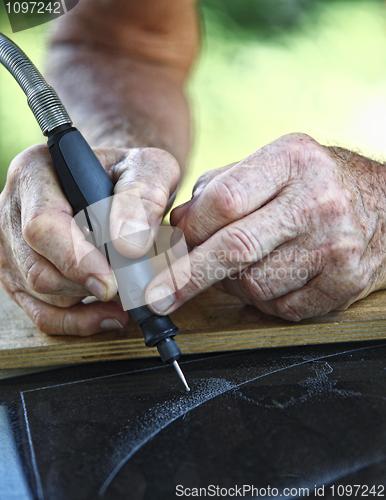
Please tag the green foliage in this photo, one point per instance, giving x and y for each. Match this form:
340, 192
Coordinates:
257, 18
262, 19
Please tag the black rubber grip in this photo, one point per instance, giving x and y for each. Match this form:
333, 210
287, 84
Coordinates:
81, 175
85, 182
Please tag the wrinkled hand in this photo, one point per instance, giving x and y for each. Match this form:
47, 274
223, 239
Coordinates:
39, 268
296, 229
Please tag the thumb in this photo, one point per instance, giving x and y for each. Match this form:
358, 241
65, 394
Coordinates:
145, 181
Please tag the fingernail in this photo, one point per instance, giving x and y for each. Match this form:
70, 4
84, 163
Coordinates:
135, 233
110, 324
97, 288
161, 298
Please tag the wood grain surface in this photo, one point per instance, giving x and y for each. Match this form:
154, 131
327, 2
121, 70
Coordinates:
211, 322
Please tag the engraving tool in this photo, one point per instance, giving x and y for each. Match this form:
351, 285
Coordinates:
89, 191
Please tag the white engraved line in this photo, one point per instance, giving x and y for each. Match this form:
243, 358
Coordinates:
33, 457
119, 374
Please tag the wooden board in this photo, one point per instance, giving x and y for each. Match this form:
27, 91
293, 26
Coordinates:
210, 322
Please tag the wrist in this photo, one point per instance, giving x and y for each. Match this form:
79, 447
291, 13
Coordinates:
368, 181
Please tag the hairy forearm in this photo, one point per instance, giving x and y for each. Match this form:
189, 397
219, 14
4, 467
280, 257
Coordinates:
120, 101
120, 68
369, 177
367, 173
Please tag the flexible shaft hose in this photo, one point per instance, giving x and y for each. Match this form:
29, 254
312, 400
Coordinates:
42, 99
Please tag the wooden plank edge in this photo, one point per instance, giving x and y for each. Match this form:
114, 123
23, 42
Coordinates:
194, 344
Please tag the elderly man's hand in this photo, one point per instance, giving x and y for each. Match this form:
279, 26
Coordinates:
39, 243
296, 229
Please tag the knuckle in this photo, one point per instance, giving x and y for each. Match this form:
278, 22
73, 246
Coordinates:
299, 144
13, 173
328, 208
229, 196
196, 279
240, 245
68, 326
202, 182
41, 321
154, 195
34, 229
158, 162
257, 284
345, 253
35, 152
22, 161
300, 138
302, 151
334, 202
160, 158
153, 172
151, 194
61, 324
37, 277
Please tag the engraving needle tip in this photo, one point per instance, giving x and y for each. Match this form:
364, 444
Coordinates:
181, 375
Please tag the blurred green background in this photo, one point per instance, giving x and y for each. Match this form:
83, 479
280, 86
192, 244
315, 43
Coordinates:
266, 68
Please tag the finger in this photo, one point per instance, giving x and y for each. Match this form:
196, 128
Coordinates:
233, 194
145, 181
198, 188
12, 282
62, 301
23, 267
109, 157
47, 227
333, 289
288, 268
81, 320
227, 252
301, 304
42, 277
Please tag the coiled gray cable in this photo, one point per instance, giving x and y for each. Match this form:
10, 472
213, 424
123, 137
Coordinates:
42, 99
